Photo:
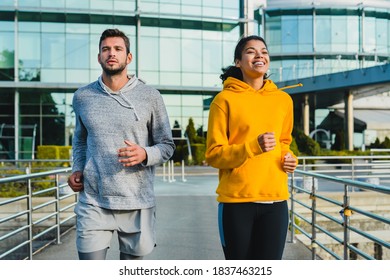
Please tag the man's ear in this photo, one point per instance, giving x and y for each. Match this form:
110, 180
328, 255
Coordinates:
129, 57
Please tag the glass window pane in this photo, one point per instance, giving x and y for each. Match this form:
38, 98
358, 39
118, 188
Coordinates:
53, 27
212, 56
107, 4
54, 4
150, 77
27, 26
7, 50
172, 78
77, 3
289, 34
339, 34
353, 34
191, 10
274, 33
51, 75
323, 33
369, 35
192, 55
192, 79
171, 99
382, 38
28, 3
305, 33
192, 100
211, 80
77, 51
211, 12
29, 56
191, 111
170, 9
7, 3
53, 50
77, 28
77, 76
149, 50
124, 5
170, 54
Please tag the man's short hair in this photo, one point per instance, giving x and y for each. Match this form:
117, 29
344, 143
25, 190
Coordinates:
115, 33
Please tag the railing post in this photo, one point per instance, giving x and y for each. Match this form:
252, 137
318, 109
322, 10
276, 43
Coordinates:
29, 218
58, 220
173, 171
292, 221
352, 172
346, 215
164, 164
313, 221
182, 172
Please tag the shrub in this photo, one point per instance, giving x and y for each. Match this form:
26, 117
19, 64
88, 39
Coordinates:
198, 154
305, 144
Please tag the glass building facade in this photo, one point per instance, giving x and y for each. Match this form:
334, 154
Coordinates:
49, 48
320, 37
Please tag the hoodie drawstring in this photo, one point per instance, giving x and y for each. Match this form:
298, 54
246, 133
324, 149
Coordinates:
129, 105
292, 86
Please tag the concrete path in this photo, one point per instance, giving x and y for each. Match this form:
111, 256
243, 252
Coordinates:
186, 224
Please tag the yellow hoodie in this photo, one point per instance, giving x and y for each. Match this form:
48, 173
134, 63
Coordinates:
238, 115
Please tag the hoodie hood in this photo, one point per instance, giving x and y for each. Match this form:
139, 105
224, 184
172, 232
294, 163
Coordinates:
119, 96
133, 81
239, 86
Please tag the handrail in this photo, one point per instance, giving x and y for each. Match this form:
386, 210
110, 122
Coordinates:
362, 185
38, 218
346, 213
33, 219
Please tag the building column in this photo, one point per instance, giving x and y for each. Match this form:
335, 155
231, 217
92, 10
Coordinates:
16, 124
137, 38
244, 27
306, 115
348, 121
16, 92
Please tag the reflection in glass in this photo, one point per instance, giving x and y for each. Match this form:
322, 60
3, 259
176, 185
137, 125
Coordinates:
169, 55
53, 50
149, 53
76, 76
52, 75
77, 51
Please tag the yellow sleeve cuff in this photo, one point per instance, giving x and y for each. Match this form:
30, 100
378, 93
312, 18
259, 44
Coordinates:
253, 148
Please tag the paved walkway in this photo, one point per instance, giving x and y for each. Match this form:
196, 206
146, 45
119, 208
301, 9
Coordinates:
186, 223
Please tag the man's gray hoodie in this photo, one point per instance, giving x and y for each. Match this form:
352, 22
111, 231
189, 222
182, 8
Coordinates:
104, 120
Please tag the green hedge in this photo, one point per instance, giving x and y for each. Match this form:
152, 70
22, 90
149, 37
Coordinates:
49, 152
54, 152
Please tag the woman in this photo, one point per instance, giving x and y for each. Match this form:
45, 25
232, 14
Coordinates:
248, 140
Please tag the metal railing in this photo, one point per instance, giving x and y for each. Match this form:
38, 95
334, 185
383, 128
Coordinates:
37, 218
349, 167
27, 215
342, 219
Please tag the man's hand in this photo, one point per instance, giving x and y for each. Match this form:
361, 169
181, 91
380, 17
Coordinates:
267, 141
289, 163
75, 181
132, 154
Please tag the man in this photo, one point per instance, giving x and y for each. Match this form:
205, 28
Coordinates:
122, 131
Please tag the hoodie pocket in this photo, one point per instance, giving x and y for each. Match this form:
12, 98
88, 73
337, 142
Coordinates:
91, 177
257, 177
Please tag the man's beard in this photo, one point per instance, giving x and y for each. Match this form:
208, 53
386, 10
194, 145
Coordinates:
113, 72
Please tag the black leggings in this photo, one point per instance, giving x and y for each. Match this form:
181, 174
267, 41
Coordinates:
253, 231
